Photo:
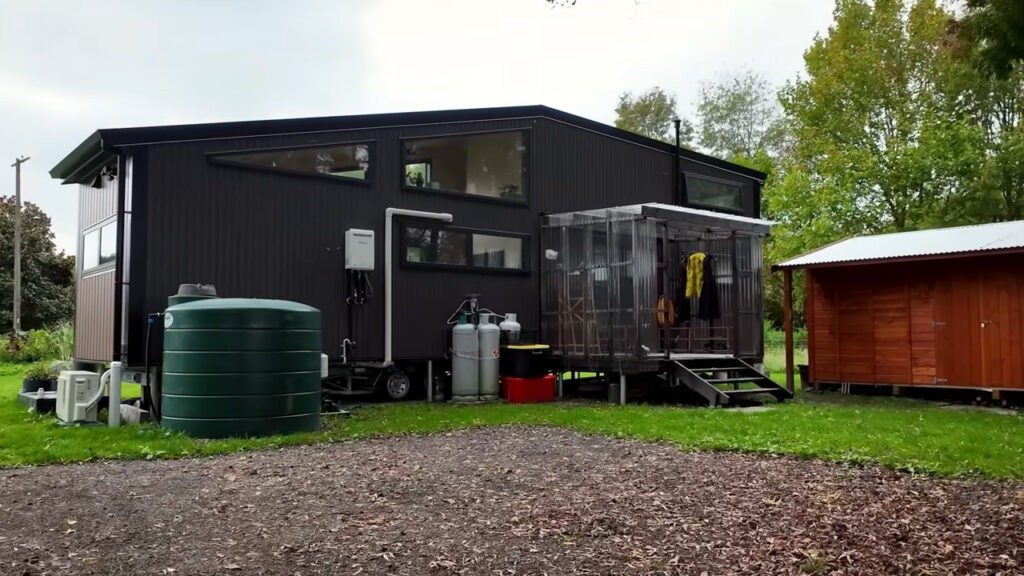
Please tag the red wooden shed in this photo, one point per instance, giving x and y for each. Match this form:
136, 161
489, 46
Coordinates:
942, 307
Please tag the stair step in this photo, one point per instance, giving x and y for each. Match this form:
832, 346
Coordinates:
749, 391
732, 380
702, 369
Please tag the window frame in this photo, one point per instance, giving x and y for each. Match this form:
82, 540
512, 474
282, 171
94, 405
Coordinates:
100, 267
741, 211
526, 136
223, 158
403, 246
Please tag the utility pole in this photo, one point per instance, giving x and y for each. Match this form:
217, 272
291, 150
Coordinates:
17, 241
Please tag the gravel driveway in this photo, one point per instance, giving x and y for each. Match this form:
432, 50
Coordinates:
508, 500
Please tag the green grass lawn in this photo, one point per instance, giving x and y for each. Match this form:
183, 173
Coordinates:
899, 433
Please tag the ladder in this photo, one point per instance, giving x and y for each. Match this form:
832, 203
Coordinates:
723, 380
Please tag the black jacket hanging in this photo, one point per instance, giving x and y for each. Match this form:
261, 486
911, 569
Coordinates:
708, 308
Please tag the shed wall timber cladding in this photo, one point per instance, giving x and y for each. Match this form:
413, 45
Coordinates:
94, 295
957, 322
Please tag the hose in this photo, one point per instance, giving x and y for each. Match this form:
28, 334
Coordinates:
147, 390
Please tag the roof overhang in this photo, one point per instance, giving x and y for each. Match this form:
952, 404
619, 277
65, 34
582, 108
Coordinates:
706, 218
685, 218
84, 162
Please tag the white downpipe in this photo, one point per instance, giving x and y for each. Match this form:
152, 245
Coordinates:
388, 215
111, 378
114, 404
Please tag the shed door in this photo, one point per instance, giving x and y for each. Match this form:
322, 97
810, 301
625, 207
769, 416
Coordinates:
999, 330
978, 334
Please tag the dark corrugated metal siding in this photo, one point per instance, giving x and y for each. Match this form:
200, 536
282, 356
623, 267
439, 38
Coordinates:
260, 234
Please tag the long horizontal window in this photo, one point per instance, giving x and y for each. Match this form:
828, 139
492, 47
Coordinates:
488, 165
351, 161
459, 247
99, 247
714, 193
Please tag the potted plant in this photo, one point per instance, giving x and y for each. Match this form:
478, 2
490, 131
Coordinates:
39, 375
510, 191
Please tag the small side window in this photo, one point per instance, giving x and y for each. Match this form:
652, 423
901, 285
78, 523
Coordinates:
99, 247
91, 250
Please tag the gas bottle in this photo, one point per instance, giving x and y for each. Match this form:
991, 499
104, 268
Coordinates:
510, 329
490, 343
465, 361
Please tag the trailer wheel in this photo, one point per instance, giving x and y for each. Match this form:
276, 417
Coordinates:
397, 385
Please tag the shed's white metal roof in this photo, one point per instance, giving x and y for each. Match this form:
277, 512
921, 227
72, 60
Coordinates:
938, 241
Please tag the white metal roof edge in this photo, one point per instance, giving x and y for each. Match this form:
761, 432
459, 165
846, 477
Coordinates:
958, 240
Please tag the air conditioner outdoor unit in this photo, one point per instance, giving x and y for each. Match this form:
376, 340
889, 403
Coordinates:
78, 394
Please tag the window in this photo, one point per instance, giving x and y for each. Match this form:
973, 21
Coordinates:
497, 251
488, 165
458, 247
352, 161
99, 247
715, 193
433, 246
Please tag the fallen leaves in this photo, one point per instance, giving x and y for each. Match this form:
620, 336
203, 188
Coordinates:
508, 501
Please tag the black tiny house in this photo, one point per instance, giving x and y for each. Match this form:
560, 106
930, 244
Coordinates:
261, 208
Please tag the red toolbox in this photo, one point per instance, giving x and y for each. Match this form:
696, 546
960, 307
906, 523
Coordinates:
523, 390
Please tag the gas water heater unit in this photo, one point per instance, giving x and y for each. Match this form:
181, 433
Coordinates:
359, 249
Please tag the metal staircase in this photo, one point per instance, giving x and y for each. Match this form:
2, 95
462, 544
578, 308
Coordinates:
724, 380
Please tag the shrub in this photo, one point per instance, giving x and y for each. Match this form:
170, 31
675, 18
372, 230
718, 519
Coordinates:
62, 337
36, 345
40, 371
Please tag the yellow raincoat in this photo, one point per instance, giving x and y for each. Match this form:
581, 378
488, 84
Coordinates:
694, 274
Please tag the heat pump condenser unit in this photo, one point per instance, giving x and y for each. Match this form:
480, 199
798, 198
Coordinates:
78, 394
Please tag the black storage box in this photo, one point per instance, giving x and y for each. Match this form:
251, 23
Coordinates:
524, 361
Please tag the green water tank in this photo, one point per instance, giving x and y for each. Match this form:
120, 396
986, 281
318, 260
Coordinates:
241, 367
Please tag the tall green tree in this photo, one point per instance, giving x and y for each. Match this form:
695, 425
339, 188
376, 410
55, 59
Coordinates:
873, 152
739, 116
48, 276
996, 27
650, 114
990, 110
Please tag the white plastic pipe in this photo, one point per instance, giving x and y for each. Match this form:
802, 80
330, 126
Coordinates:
114, 404
111, 378
388, 215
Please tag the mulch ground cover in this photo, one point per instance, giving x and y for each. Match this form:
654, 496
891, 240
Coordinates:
497, 501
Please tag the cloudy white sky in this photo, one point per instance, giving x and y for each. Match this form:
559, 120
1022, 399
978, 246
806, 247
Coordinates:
67, 68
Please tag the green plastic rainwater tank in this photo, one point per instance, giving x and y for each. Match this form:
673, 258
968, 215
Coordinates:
241, 367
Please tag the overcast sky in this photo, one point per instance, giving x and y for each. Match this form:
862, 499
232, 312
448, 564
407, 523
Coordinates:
68, 68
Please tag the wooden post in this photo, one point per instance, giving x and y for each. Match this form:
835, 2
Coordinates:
787, 324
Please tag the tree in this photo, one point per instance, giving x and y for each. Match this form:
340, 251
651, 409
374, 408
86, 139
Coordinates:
48, 277
991, 109
739, 116
650, 114
873, 152
997, 28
